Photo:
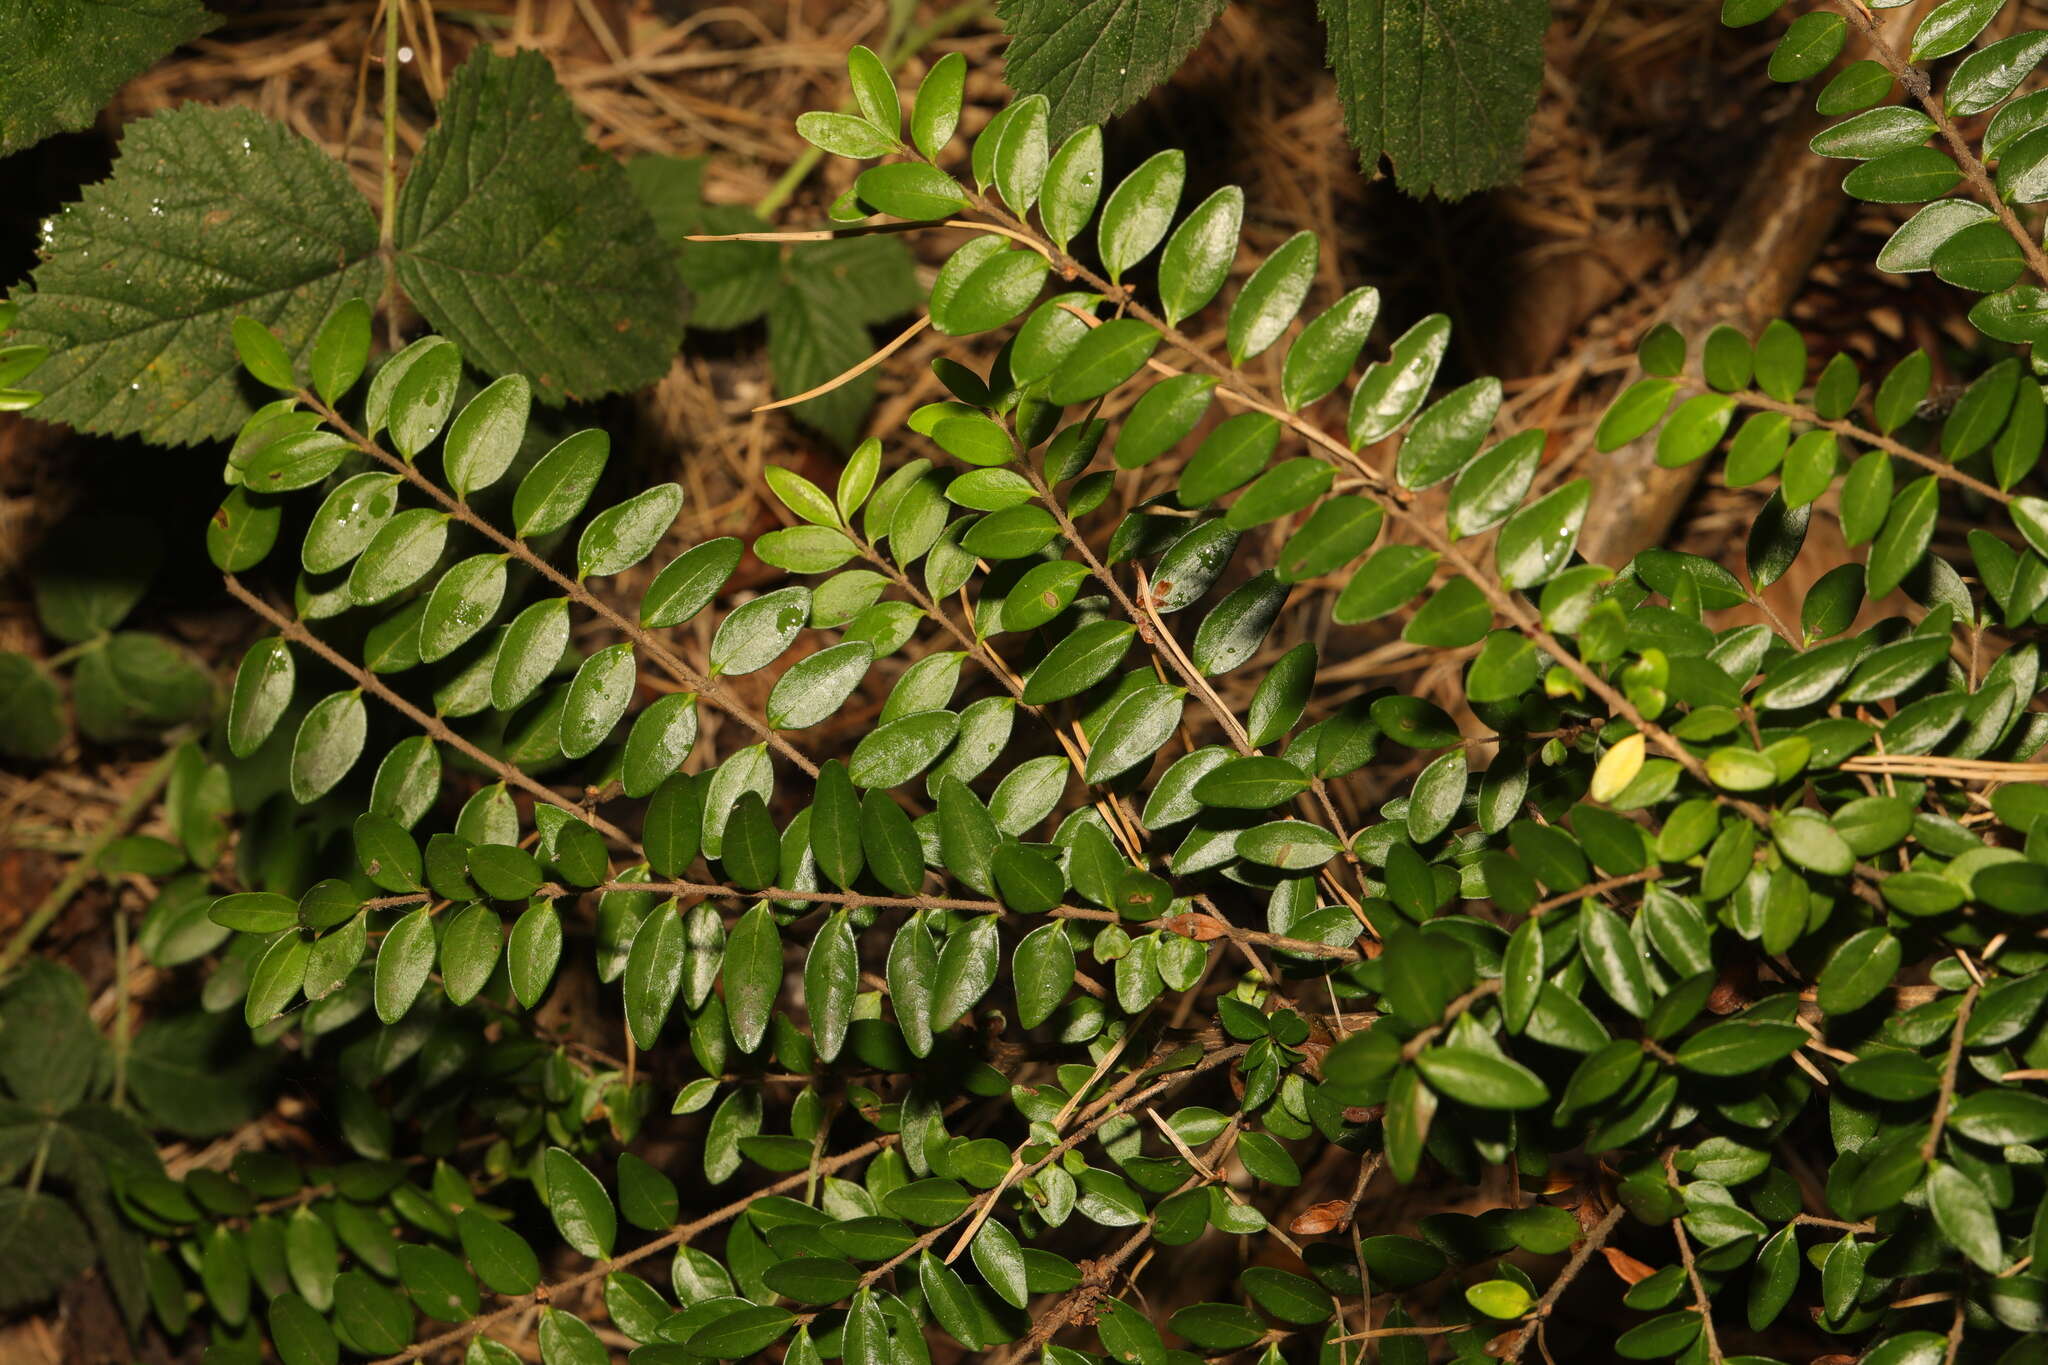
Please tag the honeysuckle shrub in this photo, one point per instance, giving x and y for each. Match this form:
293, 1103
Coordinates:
1694, 970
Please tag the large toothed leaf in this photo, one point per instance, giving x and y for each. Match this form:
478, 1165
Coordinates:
62, 60
526, 246
1096, 58
209, 215
1441, 88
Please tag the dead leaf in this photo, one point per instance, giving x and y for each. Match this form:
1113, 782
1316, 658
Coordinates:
1317, 1219
1201, 928
1626, 1266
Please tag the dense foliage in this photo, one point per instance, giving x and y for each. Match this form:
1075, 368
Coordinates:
1707, 951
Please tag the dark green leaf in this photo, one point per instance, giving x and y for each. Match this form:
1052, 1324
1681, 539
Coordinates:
295, 237
753, 975
1094, 71
1443, 92
509, 215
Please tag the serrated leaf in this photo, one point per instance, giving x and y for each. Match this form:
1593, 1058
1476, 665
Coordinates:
509, 216
224, 213
1094, 65
64, 59
1443, 90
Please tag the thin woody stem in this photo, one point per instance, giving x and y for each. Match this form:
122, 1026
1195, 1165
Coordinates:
1155, 634
1415, 1046
1121, 820
1703, 1302
676, 1236
1184, 665
1116, 1104
1972, 166
1309, 947
1595, 1239
1941, 469
1523, 617
1098, 1273
1598, 888
705, 686
435, 728
1951, 1067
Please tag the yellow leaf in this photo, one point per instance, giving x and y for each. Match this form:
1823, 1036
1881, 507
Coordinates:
1618, 767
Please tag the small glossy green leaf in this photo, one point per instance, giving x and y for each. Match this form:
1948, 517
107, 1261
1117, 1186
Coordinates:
1138, 212
619, 537
1271, 297
1393, 390
555, 490
1073, 186
583, 1212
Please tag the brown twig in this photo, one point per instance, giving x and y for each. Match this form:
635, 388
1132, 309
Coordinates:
1941, 469
1415, 1046
1595, 1239
435, 728
1154, 632
1110, 1108
1921, 88
902, 339
1308, 947
1098, 1273
675, 1236
1122, 821
1702, 1302
1599, 888
711, 689
1945, 1096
